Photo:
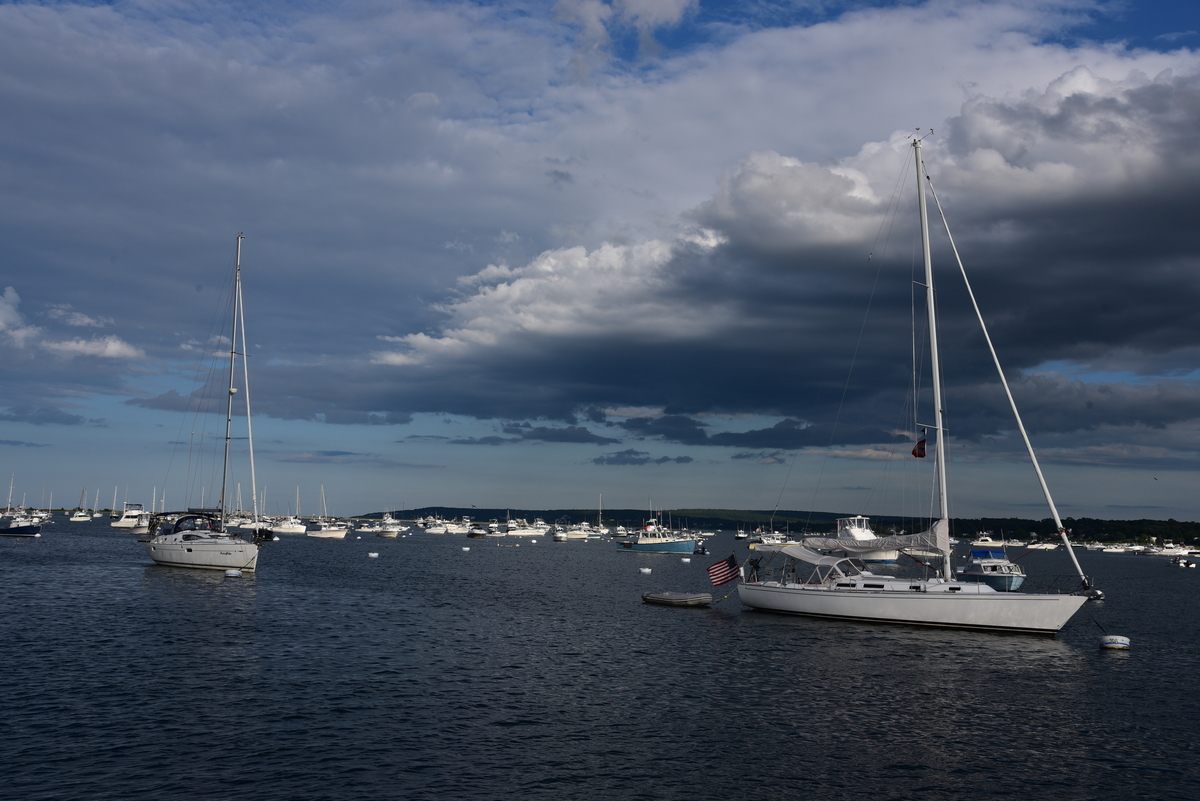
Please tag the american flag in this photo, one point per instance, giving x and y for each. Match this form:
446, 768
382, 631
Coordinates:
724, 571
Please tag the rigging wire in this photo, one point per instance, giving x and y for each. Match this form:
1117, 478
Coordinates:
199, 398
888, 222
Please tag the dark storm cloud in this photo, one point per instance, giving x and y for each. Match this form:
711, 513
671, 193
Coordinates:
529, 433
1072, 212
576, 434
374, 218
339, 457
42, 416
673, 427
170, 401
634, 457
493, 441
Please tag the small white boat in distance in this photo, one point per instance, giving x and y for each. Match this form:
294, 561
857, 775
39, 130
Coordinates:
855, 530
129, 516
81, 515
289, 525
324, 527
327, 529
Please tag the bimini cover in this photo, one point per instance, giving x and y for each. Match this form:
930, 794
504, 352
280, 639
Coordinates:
801, 553
937, 537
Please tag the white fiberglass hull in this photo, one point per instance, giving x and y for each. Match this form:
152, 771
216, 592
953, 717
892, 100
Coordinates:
970, 607
214, 554
329, 533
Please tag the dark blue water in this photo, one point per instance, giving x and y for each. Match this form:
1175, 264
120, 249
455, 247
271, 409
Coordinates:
537, 672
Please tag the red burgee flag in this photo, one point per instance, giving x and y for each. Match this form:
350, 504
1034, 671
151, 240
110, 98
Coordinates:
919, 449
724, 571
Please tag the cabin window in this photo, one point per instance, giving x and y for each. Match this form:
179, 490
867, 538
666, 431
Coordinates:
873, 586
848, 584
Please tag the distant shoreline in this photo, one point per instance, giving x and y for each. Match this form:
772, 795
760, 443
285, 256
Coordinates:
1084, 529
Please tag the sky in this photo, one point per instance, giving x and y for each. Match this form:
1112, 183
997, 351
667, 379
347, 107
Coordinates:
658, 252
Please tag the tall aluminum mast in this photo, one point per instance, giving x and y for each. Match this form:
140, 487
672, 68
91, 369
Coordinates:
931, 307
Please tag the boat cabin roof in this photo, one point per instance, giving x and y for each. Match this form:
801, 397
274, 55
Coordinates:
175, 522
847, 566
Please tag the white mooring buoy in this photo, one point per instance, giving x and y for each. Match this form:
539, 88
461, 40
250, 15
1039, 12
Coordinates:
643, 570
373, 555
466, 548
1114, 642
686, 560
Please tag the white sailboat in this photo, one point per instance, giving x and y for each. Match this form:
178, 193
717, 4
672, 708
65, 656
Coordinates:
201, 538
324, 527
81, 515
806, 582
291, 524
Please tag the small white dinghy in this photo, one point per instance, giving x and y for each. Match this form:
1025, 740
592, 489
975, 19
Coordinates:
677, 598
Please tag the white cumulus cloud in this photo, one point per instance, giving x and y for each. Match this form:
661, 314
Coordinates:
109, 347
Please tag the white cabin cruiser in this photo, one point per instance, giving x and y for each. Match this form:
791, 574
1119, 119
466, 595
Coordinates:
994, 569
858, 529
129, 516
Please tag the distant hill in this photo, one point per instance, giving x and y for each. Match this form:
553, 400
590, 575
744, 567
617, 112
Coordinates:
1083, 529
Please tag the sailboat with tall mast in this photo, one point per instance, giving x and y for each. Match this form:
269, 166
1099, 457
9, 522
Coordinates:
325, 527
805, 579
292, 524
81, 515
202, 538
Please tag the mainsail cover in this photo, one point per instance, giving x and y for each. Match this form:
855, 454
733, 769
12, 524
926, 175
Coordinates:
935, 538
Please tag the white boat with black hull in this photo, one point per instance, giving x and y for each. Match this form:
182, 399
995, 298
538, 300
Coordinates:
798, 579
200, 538
15, 523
